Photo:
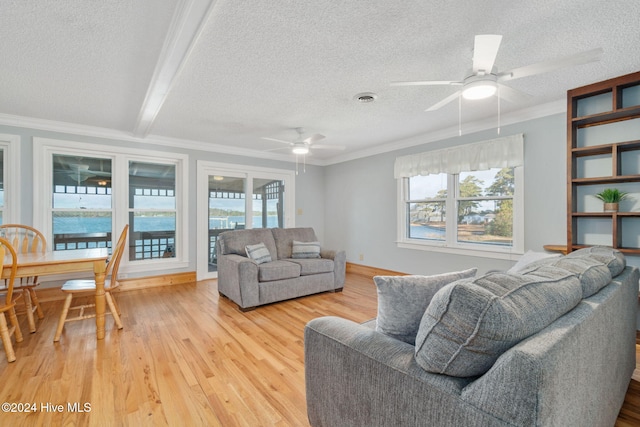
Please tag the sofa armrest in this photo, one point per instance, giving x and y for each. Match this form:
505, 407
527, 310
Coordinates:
356, 376
238, 279
340, 265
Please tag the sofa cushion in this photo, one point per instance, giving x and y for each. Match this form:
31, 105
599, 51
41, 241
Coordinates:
235, 241
530, 257
593, 274
284, 237
314, 265
402, 301
278, 270
302, 250
612, 258
471, 322
259, 253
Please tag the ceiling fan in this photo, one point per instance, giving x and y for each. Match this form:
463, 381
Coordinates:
302, 145
484, 80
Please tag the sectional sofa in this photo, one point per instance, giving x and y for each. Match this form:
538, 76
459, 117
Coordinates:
550, 345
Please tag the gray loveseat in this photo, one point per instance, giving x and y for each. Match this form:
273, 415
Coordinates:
572, 372
278, 272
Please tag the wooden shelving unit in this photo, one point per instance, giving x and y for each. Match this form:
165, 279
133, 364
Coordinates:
603, 151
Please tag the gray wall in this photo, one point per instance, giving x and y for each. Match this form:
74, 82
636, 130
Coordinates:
308, 195
353, 205
361, 195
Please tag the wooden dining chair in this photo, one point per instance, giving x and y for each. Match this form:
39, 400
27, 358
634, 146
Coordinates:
88, 288
25, 239
8, 253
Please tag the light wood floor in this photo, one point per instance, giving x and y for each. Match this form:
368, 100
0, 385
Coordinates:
185, 357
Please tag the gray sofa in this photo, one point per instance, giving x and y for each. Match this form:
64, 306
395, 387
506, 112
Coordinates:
574, 371
279, 274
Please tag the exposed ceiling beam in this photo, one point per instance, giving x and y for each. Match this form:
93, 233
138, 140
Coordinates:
188, 22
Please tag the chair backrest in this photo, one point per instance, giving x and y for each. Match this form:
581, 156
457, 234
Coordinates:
24, 238
9, 257
116, 255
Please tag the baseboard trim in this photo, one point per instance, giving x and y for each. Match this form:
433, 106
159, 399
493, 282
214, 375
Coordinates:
54, 294
367, 271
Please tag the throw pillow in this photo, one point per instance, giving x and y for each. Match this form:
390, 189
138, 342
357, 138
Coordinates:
259, 253
402, 301
470, 323
528, 258
305, 249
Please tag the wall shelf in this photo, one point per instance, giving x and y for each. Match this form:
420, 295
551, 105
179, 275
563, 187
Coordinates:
603, 151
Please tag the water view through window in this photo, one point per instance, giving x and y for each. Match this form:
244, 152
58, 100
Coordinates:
483, 202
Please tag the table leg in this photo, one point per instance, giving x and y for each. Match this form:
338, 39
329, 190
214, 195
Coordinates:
99, 271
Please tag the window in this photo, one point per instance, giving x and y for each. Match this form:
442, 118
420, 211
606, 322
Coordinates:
152, 210
91, 191
82, 210
461, 209
10, 179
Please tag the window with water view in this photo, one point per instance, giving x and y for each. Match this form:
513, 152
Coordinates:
467, 208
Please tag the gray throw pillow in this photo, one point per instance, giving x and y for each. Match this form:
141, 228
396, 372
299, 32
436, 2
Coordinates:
402, 301
259, 253
303, 250
470, 323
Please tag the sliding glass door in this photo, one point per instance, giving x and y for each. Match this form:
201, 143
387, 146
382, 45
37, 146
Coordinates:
237, 198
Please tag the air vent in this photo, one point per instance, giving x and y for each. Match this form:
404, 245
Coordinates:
365, 97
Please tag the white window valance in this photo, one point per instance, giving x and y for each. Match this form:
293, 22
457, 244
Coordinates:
501, 152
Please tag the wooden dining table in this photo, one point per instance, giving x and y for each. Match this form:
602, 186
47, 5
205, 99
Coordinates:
68, 261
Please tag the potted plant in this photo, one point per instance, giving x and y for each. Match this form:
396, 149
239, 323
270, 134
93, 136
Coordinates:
611, 198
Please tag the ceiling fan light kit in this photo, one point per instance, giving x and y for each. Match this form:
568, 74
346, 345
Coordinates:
300, 148
479, 87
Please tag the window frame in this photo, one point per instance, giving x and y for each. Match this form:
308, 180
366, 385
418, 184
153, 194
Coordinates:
450, 244
9, 144
45, 148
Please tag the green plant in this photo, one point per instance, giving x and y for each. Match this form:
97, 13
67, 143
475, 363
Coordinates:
611, 195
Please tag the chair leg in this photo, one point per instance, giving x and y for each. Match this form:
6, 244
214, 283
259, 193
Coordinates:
6, 339
36, 303
63, 317
27, 305
13, 319
114, 309
115, 303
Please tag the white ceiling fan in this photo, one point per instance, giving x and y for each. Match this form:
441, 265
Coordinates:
302, 145
484, 80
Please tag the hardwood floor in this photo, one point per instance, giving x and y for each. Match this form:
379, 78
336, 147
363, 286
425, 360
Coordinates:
185, 357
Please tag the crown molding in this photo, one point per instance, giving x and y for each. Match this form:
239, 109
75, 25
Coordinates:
106, 133
543, 110
535, 112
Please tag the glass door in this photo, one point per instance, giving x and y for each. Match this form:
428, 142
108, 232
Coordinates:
226, 210
268, 202
234, 198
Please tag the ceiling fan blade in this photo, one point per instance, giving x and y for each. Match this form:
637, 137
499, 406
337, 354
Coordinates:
427, 83
314, 138
276, 140
512, 95
278, 149
328, 147
551, 65
485, 49
444, 102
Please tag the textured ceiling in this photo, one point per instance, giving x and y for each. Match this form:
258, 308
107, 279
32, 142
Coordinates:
226, 73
